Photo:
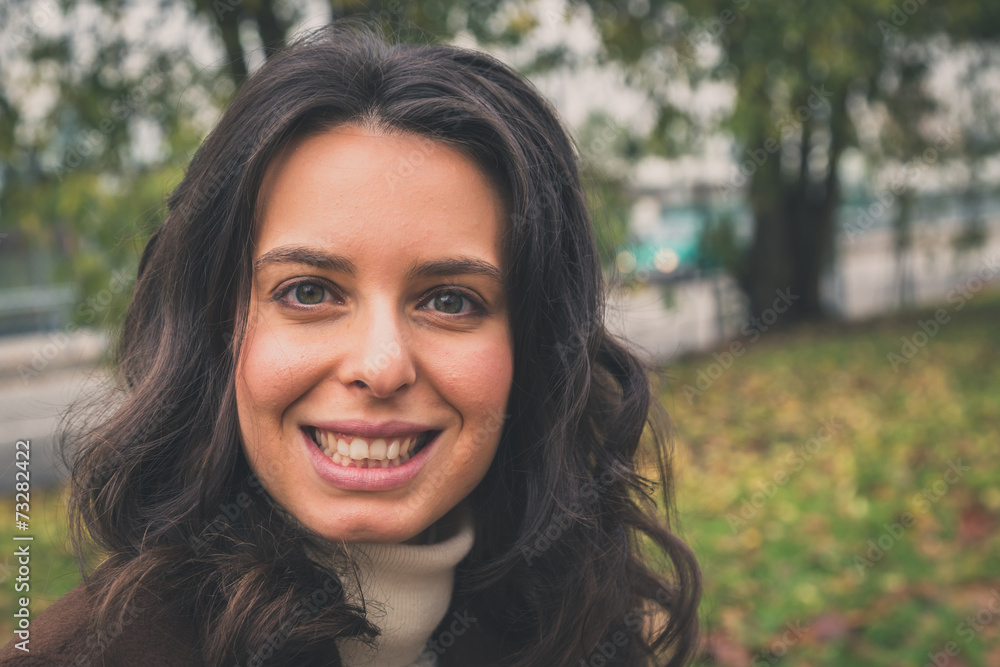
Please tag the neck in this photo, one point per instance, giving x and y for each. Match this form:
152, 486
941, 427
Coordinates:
442, 529
405, 588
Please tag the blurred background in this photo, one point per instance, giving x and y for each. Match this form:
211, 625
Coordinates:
798, 211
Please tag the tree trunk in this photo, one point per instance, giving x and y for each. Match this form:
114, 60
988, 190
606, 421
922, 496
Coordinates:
768, 268
794, 230
272, 29
226, 17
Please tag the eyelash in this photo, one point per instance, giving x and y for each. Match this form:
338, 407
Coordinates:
477, 307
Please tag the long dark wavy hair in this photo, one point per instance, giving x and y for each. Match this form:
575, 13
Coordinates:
573, 550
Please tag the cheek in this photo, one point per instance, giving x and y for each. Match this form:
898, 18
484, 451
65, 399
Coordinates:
273, 372
269, 379
475, 378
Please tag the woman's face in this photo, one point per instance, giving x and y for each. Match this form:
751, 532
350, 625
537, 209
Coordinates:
372, 385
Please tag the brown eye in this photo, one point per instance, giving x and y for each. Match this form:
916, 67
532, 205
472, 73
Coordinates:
308, 293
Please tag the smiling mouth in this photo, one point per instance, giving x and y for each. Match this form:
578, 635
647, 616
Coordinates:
351, 451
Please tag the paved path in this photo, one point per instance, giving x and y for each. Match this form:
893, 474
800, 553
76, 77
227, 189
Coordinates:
31, 404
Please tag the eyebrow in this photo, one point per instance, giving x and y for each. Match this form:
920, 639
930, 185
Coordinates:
321, 259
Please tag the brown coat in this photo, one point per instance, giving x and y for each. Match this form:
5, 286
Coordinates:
62, 635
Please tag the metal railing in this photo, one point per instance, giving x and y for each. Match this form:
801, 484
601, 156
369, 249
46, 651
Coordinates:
36, 308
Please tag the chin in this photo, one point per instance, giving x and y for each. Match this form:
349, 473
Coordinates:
372, 528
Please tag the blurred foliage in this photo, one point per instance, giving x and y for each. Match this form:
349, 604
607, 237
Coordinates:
74, 178
797, 524
89, 88
718, 247
609, 206
606, 151
811, 80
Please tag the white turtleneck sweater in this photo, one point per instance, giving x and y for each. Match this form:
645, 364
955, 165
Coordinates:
407, 589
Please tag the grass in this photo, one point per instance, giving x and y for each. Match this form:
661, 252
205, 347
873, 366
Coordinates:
845, 512
53, 570
818, 565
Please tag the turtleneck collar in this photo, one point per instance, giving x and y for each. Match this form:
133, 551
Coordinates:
406, 589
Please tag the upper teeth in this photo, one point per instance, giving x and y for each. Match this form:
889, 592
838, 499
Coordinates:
358, 448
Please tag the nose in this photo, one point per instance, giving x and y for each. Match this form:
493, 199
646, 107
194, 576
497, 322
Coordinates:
376, 351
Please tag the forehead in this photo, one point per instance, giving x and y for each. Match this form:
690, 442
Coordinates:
351, 186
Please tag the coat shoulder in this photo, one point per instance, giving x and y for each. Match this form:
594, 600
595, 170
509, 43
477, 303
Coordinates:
65, 634
57, 636
466, 637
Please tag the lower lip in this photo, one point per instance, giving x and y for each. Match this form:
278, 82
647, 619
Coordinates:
367, 479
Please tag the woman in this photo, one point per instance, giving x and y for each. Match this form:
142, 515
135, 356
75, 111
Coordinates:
370, 413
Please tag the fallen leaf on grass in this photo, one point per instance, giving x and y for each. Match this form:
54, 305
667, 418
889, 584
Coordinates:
725, 651
829, 626
975, 523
